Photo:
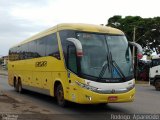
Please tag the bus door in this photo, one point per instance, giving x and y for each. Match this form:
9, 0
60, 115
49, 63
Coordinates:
72, 71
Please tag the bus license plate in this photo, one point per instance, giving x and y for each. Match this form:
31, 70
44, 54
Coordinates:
112, 98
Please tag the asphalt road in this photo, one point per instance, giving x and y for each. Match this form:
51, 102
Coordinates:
147, 101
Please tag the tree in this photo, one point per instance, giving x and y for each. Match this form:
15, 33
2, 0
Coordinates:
145, 36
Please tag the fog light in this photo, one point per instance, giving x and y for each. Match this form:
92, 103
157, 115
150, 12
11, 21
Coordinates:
131, 96
89, 97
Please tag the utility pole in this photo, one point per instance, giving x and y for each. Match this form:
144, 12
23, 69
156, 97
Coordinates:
135, 60
135, 63
134, 39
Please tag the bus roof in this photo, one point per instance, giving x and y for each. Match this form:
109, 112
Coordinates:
75, 26
89, 28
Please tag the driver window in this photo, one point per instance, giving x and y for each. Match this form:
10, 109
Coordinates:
72, 59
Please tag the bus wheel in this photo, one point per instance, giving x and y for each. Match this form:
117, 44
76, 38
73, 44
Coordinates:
157, 85
19, 86
15, 84
60, 96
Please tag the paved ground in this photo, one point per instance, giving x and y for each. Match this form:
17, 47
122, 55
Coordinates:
3, 72
147, 101
12, 106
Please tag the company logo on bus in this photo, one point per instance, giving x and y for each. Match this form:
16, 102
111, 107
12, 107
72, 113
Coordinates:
41, 64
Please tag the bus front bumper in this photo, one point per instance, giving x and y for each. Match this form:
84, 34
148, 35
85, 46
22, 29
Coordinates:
89, 97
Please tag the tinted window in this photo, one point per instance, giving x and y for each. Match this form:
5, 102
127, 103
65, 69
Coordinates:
64, 35
15, 53
20, 52
33, 49
52, 48
46, 46
11, 54
72, 59
41, 47
25, 51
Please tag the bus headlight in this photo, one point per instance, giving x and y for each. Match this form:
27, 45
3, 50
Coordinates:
110, 91
131, 87
88, 87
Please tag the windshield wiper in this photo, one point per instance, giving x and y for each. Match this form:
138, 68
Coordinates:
119, 70
106, 64
103, 70
113, 62
110, 64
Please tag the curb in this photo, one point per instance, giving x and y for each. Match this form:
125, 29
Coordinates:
5, 74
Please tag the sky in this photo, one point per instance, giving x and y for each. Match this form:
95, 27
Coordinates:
20, 19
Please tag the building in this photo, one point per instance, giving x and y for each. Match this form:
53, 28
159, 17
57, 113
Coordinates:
4, 61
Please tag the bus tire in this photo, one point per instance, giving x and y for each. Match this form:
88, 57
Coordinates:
157, 85
19, 86
15, 84
60, 96
16, 87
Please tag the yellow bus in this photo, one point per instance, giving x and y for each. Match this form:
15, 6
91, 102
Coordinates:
81, 63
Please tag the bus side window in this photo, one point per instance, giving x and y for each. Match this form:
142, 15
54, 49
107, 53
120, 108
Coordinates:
72, 58
52, 48
33, 49
41, 47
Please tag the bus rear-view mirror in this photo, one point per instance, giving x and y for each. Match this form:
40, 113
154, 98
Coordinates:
139, 49
78, 46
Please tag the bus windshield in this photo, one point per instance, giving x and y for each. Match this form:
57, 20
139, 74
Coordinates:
96, 49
